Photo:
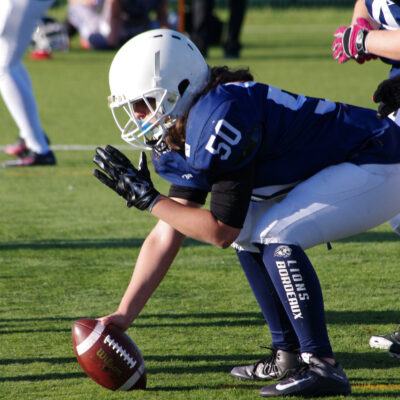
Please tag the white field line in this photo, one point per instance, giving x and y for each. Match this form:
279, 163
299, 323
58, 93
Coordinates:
81, 147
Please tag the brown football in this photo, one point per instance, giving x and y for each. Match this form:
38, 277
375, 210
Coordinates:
108, 355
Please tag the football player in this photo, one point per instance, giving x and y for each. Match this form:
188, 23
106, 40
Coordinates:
18, 20
286, 172
375, 31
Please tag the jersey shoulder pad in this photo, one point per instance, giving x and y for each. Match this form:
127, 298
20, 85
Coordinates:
172, 166
223, 131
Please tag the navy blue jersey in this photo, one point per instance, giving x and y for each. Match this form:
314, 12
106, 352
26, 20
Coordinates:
384, 12
289, 137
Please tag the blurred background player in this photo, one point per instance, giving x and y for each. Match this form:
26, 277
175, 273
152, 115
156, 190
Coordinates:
18, 20
206, 30
375, 32
49, 35
107, 24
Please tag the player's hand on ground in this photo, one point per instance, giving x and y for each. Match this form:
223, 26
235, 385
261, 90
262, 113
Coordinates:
117, 319
118, 173
387, 94
349, 42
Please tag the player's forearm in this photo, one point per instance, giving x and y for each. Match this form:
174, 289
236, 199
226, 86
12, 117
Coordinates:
155, 258
360, 11
196, 223
384, 43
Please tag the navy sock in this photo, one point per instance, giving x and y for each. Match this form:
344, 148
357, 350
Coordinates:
282, 332
297, 285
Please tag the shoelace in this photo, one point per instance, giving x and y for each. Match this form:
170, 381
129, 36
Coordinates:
270, 362
302, 372
265, 361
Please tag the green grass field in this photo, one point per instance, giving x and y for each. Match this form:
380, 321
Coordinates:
68, 245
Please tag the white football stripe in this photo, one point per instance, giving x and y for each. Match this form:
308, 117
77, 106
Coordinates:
133, 379
91, 339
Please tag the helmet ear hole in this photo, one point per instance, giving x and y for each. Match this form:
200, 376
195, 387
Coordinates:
183, 86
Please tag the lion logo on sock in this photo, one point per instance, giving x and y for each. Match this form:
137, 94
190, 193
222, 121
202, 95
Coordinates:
283, 251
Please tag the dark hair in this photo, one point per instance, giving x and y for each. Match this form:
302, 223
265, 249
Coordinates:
219, 75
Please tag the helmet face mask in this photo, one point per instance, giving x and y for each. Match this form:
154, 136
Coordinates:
168, 75
147, 132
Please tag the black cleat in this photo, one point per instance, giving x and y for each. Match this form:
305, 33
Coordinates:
318, 378
280, 364
31, 159
389, 342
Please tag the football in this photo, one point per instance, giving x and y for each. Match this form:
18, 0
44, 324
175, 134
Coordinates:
108, 355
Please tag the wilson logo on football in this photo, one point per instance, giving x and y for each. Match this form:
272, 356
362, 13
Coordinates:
108, 361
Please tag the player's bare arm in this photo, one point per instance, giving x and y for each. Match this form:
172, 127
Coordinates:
155, 258
384, 43
196, 223
360, 11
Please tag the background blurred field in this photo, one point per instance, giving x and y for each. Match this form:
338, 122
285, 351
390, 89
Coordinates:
68, 245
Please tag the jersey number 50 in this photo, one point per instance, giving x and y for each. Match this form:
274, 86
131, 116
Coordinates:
225, 137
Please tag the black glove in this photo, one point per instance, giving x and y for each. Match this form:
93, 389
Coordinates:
134, 185
388, 95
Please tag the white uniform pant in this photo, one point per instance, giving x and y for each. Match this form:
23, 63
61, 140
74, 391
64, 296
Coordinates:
18, 19
88, 19
337, 202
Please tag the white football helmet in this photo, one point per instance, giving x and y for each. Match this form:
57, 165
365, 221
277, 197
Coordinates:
50, 35
164, 69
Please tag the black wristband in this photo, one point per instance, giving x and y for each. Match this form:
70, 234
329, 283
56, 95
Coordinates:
360, 42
